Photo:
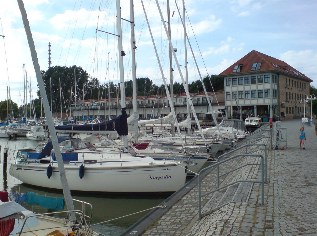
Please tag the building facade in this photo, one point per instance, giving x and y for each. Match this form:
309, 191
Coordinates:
260, 85
149, 107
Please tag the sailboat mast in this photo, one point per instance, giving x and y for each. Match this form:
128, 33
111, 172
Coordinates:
133, 47
121, 55
186, 62
60, 97
121, 70
30, 90
7, 102
169, 32
66, 190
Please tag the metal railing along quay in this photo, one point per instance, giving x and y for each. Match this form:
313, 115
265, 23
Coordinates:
216, 167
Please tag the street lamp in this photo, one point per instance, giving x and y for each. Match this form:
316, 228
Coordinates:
311, 98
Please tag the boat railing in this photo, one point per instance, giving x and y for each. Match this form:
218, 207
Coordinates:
61, 218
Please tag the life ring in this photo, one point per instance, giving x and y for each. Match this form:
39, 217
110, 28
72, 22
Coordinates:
49, 171
81, 171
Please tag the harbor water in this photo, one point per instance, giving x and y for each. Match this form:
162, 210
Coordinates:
105, 207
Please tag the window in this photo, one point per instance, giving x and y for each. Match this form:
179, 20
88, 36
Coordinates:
256, 66
260, 93
246, 80
234, 81
274, 93
253, 93
247, 94
234, 95
240, 94
260, 79
266, 93
240, 80
228, 81
237, 68
274, 79
253, 79
266, 78
286, 110
228, 96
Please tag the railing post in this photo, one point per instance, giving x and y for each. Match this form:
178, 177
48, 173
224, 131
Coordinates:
262, 163
199, 196
265, 156
218, 181
271, 132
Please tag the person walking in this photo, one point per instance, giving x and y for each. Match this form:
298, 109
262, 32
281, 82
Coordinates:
302, 138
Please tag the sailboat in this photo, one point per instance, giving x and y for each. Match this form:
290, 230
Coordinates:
105, 171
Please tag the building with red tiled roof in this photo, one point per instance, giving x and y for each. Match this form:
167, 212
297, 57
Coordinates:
261, 85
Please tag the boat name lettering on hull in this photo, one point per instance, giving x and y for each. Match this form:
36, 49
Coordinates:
161, 177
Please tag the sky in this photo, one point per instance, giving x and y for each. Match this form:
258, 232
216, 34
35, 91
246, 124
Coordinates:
220, 32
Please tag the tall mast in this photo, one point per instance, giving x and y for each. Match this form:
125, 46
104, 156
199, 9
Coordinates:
66, 190
75, 89
60, 97
170, 59
186, 62
121, 70
133, 47
30, 90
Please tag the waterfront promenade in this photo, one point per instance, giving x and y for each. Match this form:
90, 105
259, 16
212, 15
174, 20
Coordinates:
290, 198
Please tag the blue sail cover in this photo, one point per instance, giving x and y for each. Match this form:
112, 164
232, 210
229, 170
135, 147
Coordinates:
118, 124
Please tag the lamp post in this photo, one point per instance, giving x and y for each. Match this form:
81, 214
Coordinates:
311, 98
304, 102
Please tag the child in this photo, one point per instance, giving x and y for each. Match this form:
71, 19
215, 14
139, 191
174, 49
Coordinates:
302, 138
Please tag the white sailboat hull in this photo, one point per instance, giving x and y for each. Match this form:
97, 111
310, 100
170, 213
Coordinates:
105, 177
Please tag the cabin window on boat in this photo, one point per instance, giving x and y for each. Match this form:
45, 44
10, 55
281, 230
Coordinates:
266, 93
247, 94
228, 96
246, 80
253, 79
228, 81
253, 93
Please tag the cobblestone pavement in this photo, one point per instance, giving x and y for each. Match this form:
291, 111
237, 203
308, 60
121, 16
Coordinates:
290, 206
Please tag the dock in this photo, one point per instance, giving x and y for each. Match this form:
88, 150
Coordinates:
266, 185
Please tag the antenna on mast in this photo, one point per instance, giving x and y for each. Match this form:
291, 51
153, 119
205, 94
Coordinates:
49, 55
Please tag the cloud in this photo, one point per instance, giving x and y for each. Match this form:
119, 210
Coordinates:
245, 7
77, 19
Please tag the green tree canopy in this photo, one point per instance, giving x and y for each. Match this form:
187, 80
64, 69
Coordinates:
61, 80
8, 109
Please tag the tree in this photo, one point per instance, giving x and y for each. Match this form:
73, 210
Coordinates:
8, 109
62, 78
213, 83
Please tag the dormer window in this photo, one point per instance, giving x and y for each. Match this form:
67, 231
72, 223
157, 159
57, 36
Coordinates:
237, 68
256, 66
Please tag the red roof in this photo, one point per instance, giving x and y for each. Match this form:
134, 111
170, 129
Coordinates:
265, 64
